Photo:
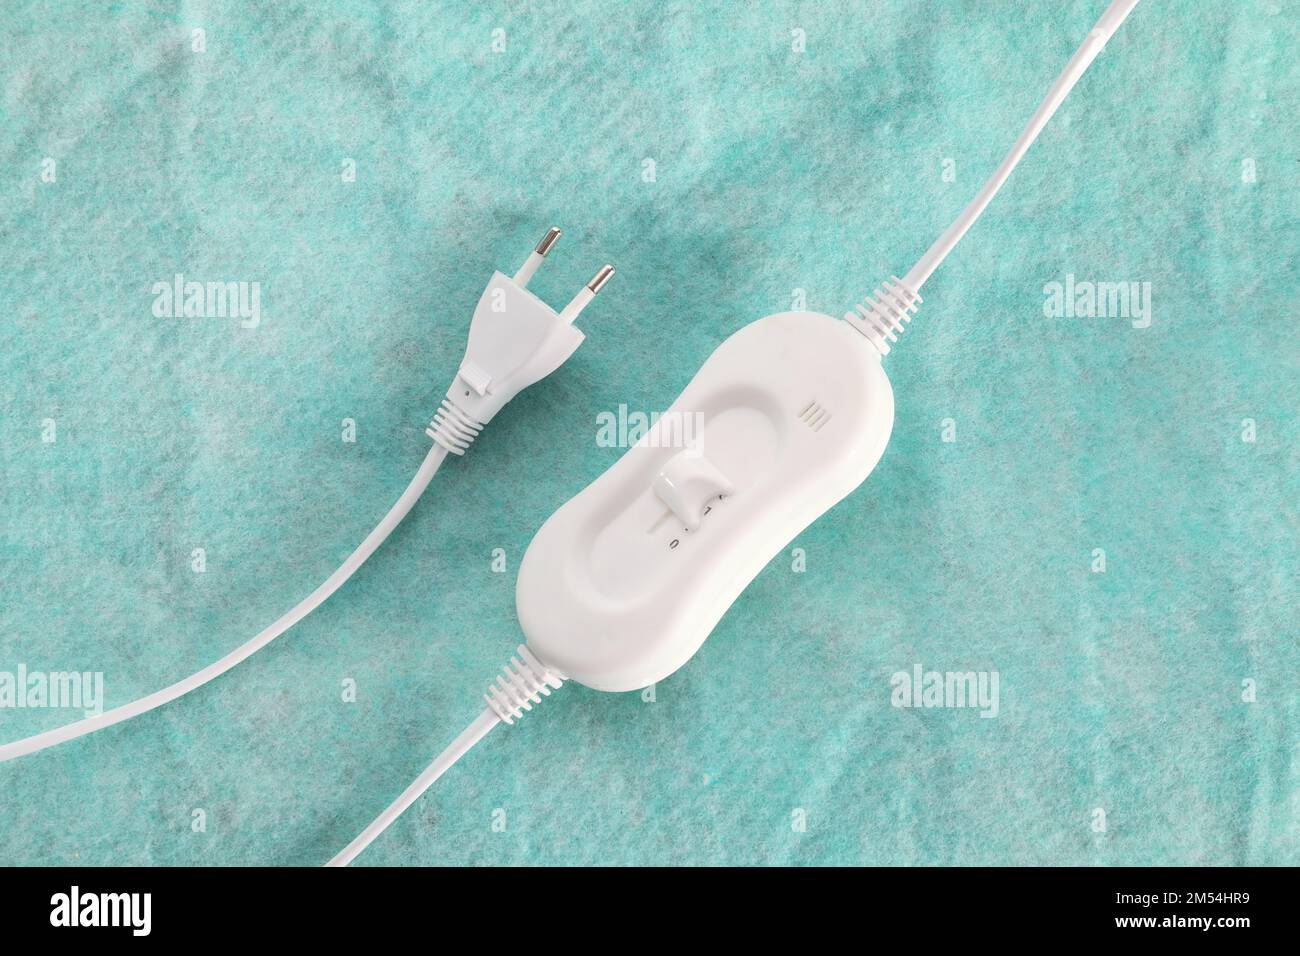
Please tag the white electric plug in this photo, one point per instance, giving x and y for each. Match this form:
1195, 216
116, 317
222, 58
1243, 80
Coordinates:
515, 339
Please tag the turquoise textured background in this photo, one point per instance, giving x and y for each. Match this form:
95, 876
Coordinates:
776, 170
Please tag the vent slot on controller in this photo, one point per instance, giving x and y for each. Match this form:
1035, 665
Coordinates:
815, 416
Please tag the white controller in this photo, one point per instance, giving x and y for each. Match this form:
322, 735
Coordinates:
622, 585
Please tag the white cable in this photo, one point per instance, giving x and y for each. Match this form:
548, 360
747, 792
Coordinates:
182, 687
1083, 57
471, 735
522, 683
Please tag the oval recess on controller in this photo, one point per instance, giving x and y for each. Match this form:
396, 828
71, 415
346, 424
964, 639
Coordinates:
620, 557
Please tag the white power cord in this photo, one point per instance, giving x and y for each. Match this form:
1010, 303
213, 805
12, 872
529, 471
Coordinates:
515, 339
308, 604
523, 682
441, 764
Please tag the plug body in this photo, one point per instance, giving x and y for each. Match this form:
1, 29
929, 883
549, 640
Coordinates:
515, 339
623, 583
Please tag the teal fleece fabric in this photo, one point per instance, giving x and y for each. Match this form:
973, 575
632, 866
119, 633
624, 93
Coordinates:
369, 165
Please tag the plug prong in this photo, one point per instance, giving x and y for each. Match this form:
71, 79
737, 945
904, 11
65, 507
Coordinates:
536, 256
548, 240
600, 278
586, 294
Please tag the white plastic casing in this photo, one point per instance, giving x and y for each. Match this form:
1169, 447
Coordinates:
519, 340
786, 417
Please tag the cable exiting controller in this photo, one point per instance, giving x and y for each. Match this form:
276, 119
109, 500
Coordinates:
523, 683
882, 316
